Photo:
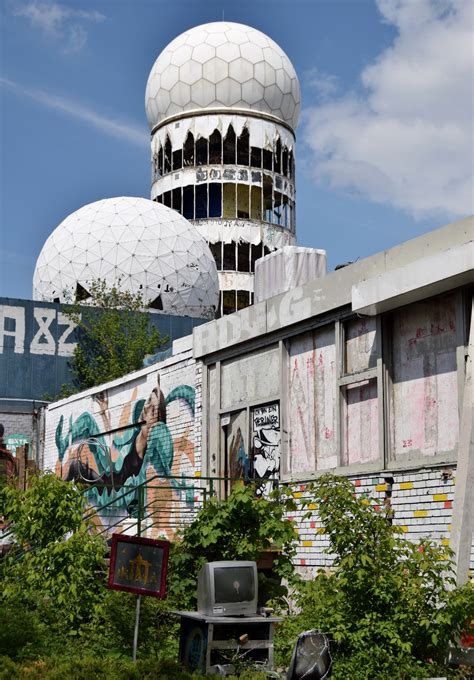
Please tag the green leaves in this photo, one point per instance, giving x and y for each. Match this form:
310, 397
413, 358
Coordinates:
113, 335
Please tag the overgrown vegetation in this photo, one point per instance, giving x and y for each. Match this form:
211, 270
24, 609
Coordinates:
387, 604
113, 335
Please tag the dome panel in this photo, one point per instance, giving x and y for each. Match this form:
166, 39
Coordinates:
225, 50
152, 245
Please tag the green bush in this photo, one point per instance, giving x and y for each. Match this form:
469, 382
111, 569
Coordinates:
387, 600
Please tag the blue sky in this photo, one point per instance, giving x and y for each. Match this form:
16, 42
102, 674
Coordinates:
384, 146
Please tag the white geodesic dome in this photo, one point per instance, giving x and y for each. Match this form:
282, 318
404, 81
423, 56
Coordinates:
223, 65
145, 246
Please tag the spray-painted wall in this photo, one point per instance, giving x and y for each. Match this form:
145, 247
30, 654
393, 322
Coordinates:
128, 432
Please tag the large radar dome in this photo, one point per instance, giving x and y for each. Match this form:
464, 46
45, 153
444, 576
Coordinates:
144, 246
223, 65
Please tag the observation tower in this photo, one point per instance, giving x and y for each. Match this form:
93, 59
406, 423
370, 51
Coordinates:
222, 101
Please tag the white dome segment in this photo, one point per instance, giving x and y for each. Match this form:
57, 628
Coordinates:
223, 65
146, 246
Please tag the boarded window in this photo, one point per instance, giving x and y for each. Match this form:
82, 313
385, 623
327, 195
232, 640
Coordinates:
424, 391
312, 401
360, 423
360, 345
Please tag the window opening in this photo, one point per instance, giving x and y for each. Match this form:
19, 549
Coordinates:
215, 200
243, 209
215, 148
216, 250
291, 165
160, 160
277, 157
167, 198
285, 161
228, 204
243, 257
255, 254
285, 212
267, 198
188, 150
266, 251
178, 159
228, 301
157, 303
256, 203
277, 208
243, 148
229, 147
188, 202
267, 159
167, 161
201, 201
256, 157
201, 151
176, 198
81, 293
243, 299
159, 199
229, 257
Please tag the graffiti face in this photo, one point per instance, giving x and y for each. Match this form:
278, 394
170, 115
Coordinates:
115, 458
266, 445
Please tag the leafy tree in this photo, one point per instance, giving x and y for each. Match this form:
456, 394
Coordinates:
388, 603
113, 335
56, 567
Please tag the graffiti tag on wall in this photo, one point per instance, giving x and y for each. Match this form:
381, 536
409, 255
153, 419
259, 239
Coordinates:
266, 445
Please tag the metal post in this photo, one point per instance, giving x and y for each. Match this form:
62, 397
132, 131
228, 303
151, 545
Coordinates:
137, 623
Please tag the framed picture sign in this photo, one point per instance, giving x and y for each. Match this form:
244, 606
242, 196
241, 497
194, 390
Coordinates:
138, 565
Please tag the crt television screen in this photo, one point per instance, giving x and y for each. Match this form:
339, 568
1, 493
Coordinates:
234, 584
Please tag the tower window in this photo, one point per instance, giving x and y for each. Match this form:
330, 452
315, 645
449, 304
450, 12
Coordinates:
229, 257
255, 254
160, 160
243, 146
228, 203
243, 257
267, 159
229, 147
243, 210
215, 148
277, 158
176, 198
188, 202
228, 301
167, 199
188, 150
167, 159
215, 200
277, 208
256, 203
255, 157
201, 151
285, 161
201, 201
177, 159
243, 299
267, 198
216, 250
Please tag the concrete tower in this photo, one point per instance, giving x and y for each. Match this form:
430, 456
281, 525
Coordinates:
222, 102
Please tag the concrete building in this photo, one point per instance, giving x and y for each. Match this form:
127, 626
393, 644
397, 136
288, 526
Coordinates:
366, 372
222, 102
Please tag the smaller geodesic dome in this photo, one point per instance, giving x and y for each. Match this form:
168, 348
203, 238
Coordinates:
143, 246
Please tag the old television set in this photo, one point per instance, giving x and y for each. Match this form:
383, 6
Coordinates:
228, 588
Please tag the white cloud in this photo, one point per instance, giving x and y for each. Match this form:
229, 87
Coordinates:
59, 21
324, 84
405, 137
113, 128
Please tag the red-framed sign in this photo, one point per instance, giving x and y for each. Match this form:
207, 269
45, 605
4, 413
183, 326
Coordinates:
138, 565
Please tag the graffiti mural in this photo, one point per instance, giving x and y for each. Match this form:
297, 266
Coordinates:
266, 446
115, 455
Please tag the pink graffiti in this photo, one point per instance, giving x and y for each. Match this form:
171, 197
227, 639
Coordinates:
328, 434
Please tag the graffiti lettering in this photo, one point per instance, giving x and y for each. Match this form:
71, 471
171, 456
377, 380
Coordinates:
9, 314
